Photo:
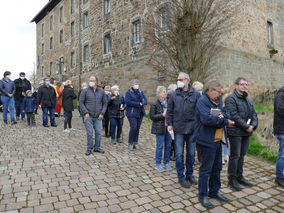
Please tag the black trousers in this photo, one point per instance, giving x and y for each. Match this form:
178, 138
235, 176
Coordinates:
30, 117
238, 149
67, 119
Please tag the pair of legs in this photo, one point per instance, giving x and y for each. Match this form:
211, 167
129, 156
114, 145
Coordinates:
8, 102
51, 111
19, 108
163, 142
30, 118
67, 119
90, 125
280, 159
116, 127
135, 124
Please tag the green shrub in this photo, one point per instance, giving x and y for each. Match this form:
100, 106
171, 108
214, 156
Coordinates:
263, 108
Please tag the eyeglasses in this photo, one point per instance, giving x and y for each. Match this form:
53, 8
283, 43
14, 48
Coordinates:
219, 91
243, 84
181, 79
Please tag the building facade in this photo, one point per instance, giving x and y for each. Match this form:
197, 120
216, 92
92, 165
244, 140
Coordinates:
111, 43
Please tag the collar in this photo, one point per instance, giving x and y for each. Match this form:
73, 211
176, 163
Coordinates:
213, 102
244, 95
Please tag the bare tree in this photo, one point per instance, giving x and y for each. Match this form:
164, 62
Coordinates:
33, 77
189, 33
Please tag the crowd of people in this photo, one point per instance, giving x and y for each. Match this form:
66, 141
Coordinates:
184, 118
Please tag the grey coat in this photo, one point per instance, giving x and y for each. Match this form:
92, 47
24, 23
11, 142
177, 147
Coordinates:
93, 102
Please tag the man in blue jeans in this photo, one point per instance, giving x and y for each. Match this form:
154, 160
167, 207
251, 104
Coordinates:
180, 118
8, 89
278, 125
93, 103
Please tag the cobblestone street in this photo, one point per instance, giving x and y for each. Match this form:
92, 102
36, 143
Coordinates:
46, 170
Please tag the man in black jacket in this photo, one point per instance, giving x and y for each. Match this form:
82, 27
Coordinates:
22, 86
278, 125
180, 118
242, 112
47, 99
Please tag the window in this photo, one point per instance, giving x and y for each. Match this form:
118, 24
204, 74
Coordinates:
72, 28
86, 20
42, 30
61, 65
85, 1
61, 14
51, 23
164, 18
72, 59
136, 32
42, 71
61, 36
51, 43
50, 68
107, 43
107, 6
42, 48
270, 34
86, 53
73, 6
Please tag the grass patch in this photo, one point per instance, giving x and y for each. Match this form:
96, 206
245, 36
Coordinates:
148, 116
263, 108
256, 148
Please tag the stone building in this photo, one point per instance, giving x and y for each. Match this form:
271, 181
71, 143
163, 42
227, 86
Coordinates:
111, 43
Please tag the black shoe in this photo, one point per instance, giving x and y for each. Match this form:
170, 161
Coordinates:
184, 183
13, 122
99, 150
220, 197
107, 135
172, 158
191, 179
205, 202
45, 125
88, 152
244, 182
234, 184
54, 125
280, 182
55, 115
5, 122
119, 140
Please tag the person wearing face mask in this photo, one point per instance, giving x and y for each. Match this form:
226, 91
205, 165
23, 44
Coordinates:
8, 89
22, 86
135, 101
84, 85
93, 103
180, 120
106, 121
47, 99
116, 107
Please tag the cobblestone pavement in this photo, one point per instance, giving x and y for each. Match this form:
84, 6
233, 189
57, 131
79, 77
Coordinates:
46, 170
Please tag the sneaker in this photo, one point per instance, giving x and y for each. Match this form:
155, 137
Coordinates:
184, 183
5, 122
99, 150
53, 125
113, 141
168, 167
135, 146
13, 122
66, 130
23, 119
119, 140
72, 129
160, 168
130, 147
88, 152
45, 125
280, 182
191, 179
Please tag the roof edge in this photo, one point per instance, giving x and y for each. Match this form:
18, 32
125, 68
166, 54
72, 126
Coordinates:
44, 11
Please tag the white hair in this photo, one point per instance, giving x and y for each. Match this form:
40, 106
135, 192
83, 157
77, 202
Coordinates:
135, 81
114, 87
185, 75
107, 87
160, 89
197, 84
172, 88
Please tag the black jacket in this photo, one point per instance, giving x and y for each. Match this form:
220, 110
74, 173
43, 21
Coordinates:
46, 96
114, 106
278, 122
67, 98
181, 110
241, 109
21, 87
156, 115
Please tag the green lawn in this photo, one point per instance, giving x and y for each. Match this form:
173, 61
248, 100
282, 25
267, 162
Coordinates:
263, 108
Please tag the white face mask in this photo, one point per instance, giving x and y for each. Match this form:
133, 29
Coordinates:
136, 86
8, 76
84, 87
22, 78
180, 84
92, 84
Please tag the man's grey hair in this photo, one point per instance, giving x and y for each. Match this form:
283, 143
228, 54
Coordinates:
213, 84
135, 81
114, 87
185, 74
160, 89
84, 84
172, 88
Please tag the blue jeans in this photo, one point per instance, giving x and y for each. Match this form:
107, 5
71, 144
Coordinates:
180, 140
164, 140
8, 103
116, 123
93, 123
19, 107
51, 111
210, 169
280, 158
135, 124
226, 149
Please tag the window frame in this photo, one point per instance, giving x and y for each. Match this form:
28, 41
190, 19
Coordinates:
72, 60
61, 14
270, 34
86, 19
73, 6
51, 42
72, 31
106, 7
107, 41
61, 36
136, 31
86, 56
51, 22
